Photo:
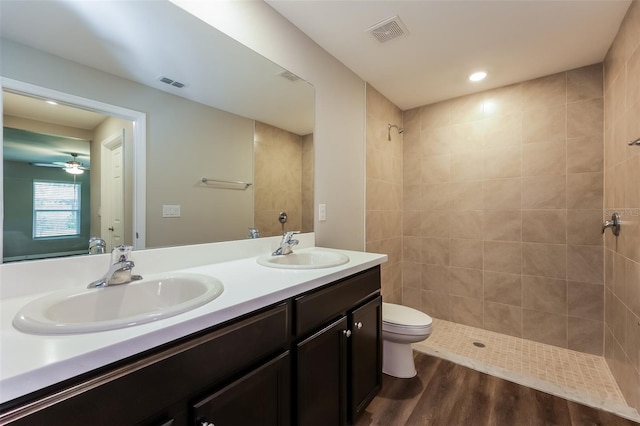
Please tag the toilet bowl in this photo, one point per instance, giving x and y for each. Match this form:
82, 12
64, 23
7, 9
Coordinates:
402, 326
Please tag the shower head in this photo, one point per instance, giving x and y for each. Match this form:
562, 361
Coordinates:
400, 130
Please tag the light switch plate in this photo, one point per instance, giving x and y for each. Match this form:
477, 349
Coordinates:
170, 210
322, 212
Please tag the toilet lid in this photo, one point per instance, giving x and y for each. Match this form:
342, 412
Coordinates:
403, 315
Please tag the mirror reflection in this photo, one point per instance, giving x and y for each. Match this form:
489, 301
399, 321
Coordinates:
253, 125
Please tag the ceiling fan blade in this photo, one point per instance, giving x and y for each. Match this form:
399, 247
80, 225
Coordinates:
48, 165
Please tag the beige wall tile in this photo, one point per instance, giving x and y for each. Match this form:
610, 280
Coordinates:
466, 224
503, 288
503, 101
585, 118
436, 223
466, 166
502, 225
544, 125
436, 196
466, 109
544, 192
544, 226
585, 154
504, 162
467, 137
504, 129
412, 197
585, 264
466, 311
411, 249
585, 336
544, 260
466, 253
435, 278
502, 318
435, 169
502, 194
633, 84
411, 275
502, 256
412, 297
435, 141
585, 190
544, 327
435, 115
544, 294
585, 301
436, 304
466, 195
585, 83
632, 347
584, 227
545, 92
435, 251
465, 282
540, 159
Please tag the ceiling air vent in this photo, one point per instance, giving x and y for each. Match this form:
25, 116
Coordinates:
388, 29
289, 75
171, 82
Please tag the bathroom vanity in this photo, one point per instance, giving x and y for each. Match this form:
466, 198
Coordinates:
309, 353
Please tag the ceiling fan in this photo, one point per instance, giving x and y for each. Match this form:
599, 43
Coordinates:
73, 166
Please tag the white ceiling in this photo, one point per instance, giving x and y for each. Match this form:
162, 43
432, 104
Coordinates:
513, 41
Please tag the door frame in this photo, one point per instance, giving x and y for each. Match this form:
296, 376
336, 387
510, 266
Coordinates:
139, 142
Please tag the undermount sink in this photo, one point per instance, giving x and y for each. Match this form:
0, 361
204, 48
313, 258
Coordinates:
98, 309
313, 259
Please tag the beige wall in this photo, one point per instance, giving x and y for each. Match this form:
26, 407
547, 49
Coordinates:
622, 194
278, 181
185, 142
308, 171
502, 209
384, 190
339, 134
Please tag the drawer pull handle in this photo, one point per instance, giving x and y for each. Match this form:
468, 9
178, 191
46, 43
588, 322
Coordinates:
206, 423
347, 333
359, 325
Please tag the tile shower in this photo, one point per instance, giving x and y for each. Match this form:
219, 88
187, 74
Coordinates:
502, 197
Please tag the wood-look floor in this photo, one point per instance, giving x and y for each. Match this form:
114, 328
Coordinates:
447, 394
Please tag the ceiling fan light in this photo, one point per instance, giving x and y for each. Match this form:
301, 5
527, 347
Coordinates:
74, 170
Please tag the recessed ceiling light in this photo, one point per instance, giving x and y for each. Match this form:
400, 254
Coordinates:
477, 76
52, 103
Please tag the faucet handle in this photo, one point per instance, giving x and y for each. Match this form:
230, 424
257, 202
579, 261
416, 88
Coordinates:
288, 234
120, 253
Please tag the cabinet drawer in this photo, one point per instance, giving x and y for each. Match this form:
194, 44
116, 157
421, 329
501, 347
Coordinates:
315, 309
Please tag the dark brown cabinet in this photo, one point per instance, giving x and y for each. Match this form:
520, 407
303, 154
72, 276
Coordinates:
311, 360
339, 365
259, 398
365, 356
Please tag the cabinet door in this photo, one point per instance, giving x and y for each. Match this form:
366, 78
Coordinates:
365, 355
321, 376
261, 397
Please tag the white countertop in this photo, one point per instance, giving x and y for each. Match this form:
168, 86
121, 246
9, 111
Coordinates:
31, 362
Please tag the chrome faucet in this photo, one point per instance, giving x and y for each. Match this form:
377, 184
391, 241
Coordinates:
97, 245
286, 243
120, 269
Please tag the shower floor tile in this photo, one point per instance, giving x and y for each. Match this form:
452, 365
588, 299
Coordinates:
561, 372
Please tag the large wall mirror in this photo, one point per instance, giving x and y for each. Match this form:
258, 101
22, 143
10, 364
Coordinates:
211, 109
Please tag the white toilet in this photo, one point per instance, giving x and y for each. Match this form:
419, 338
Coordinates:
402, 326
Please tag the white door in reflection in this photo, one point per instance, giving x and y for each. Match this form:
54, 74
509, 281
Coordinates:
112, 185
